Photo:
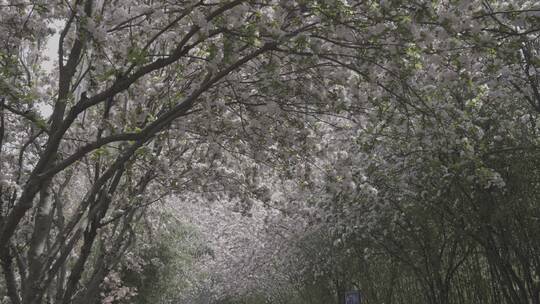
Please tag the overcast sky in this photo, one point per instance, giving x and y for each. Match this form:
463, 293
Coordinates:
51, 51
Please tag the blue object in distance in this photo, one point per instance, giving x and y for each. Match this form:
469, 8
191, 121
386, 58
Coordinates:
353, 297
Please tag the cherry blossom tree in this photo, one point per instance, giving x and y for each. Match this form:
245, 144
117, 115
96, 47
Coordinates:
433, 183
426, 191
145, 98
314, 145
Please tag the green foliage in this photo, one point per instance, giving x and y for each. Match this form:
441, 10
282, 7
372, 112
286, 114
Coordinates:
137, 55
163, 261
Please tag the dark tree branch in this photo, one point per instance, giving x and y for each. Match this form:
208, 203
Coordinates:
29, 115
9, 275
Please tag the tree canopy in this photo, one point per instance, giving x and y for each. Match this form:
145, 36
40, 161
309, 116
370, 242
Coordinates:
241, 151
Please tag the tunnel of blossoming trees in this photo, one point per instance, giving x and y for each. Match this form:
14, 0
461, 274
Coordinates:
269, 152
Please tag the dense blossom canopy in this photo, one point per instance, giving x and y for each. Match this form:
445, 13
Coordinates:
269, 151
